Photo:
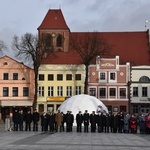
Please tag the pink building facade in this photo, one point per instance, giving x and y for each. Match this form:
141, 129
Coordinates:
16, 86
109, 82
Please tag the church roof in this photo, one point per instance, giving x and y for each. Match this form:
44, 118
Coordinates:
131, 47
53, 20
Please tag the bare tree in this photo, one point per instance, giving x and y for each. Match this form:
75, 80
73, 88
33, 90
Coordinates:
2, 46
89, 45
30, 48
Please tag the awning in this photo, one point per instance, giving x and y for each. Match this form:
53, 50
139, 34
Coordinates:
16, 103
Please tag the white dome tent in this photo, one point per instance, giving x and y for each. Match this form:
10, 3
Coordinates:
81, 103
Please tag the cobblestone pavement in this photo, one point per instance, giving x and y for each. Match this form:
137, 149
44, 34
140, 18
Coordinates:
72, 141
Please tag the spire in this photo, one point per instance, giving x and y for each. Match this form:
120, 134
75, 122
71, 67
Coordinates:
54, 19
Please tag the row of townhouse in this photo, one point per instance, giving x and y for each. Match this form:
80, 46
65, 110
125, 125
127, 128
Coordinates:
119, 87
121, 81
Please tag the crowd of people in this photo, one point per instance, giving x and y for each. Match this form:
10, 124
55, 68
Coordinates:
85, 122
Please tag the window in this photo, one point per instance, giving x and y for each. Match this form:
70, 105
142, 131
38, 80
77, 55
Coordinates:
68, 76
102, 92
59, 77
59, 41
78, 77
92, 91
41, 91
50, 77
135, 92
5, 91
144, 91
15, 91
144, 79
15, 76
5, 76
25, 91
48, 42
50, 91
122, 92
69, 91
59, 91
112, 76
102, 76
78, 90
41, 77
112, 92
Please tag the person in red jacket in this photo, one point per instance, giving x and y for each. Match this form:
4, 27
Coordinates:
133, 124
147, 121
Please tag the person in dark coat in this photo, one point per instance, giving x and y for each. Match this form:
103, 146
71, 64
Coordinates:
43, 122
68, 121
21, 120
115, 122
100, 122
120, 122
51, 121
126, 123
36, 117
15, 119
107, 122
79, 121
86, 118
72, 120
63, 121
28, 120
93, 121
142, 123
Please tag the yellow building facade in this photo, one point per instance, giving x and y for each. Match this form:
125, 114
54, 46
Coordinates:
56, 83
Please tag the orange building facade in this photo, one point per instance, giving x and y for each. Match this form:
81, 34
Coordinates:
108, 81
17, 86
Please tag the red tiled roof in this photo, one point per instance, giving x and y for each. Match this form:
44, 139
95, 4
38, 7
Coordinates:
54, 20
129, 46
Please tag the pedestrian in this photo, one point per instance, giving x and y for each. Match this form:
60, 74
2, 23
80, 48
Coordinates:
115, 122
7, 123
120, 122
63, 121
35, 118
15, 119
21, 120
100, 122
147, 120
43, 122
93, 121
68, 121
59, 120
28, 120
51, 121
142, 124
79, 121
126, 123
86, 118
133, 124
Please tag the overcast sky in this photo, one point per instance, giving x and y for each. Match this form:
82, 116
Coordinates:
20, 16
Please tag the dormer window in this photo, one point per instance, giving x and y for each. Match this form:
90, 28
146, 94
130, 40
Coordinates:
5, 63
59, 41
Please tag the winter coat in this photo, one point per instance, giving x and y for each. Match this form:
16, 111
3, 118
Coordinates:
59, 119
142, 122
35, 117
126, 122
132, 123
79, 118
147, 120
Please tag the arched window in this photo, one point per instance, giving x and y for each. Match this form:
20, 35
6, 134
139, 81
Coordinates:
144, 79
48, 42
59, 41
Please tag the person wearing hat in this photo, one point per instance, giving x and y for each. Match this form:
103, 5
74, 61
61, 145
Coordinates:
86, 120
79, 120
